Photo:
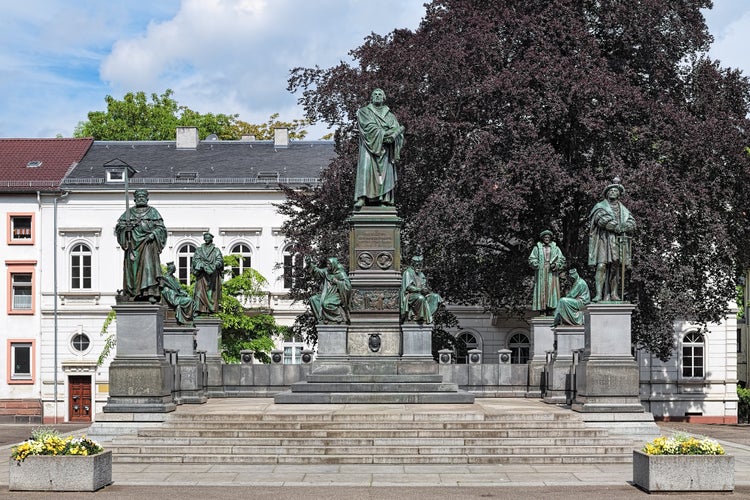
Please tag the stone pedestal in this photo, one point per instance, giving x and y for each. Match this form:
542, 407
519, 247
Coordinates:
417, 342
607, 378
140, 377
374, 265
331, 342
208, 339
542, 339
568, 338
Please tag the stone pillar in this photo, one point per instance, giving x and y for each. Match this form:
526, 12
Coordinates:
183, 339
542, 339
331, 342
140, 377
208, 339
567, 339
375, 272
607, 377
504, 373
417, 340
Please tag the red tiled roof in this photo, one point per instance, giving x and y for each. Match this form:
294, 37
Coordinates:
57, 156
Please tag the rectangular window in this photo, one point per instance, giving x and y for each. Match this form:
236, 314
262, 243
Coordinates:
692, 361
80, 271
21, 366
20, 291
21, 229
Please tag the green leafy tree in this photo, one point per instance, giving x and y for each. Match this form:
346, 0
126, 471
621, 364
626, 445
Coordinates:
243, 328
517, 114
135, 118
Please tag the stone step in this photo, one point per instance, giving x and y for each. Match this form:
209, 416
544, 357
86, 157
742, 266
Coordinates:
304, 415
376, 378
366, 387
525, 433
420, 442
383, 425
374, 459
372, 450
290, 397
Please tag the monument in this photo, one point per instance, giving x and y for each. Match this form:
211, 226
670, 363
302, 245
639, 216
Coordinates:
607, 377
140, 377
374, 342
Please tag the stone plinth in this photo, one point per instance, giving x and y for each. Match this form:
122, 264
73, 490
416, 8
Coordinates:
208, 339
140, 377
417, 342
607, 377
542, 339
568, 338
331, 342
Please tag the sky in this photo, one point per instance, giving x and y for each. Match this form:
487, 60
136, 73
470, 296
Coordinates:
60, 58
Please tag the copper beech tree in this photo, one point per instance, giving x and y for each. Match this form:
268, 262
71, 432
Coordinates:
517, 114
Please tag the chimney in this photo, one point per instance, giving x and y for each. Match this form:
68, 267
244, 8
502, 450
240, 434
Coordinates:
247, 138
281, 137
187, 137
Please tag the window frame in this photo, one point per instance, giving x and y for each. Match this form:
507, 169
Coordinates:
188, 255
293, 270
12, 377
517, 349
236, 271
693, 367
10, 234
81, 267
15, 267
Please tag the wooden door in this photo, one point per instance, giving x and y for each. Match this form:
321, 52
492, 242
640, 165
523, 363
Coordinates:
79, 398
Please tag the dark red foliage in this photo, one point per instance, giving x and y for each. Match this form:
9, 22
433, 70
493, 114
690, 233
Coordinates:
518, 113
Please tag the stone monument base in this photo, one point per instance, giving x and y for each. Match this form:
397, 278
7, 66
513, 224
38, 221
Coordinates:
378, 380
140, 386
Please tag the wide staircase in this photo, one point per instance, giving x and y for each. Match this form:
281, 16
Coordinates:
259, 432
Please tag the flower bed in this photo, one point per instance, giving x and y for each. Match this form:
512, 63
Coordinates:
50, 462
683, 463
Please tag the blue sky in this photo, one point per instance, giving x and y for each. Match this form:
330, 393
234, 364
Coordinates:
60, 58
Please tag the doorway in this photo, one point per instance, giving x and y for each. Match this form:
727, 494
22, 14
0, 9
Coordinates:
79, 400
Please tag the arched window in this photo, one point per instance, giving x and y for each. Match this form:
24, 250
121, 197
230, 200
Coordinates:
80, 267
470, 340
243, 251
519, 349
292, 266
693, 348
184, 259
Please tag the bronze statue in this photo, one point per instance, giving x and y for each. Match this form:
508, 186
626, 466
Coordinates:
380, 141
176, 297
548, 261
610, 230
418, 302
331, 305
568, 310
141, 233
208, 268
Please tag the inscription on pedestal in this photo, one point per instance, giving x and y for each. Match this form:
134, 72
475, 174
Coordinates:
374, 238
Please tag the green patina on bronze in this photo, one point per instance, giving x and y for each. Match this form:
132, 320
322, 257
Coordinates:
548, 261
331, 305
610, 232
208, 268
141, 233
568, 310
176, 297
418, 302
380, 141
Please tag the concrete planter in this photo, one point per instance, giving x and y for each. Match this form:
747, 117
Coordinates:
654, 473
61, 472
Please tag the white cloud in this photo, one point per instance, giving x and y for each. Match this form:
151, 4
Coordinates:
227, 56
